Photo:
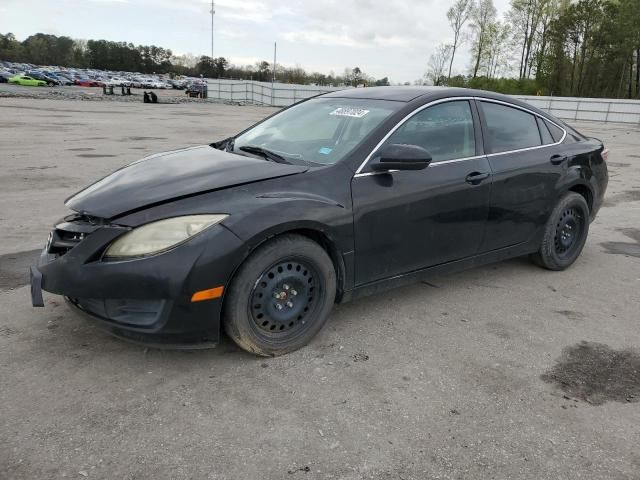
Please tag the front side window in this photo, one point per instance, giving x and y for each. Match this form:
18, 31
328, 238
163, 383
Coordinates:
320, 131
510, 128
444, 130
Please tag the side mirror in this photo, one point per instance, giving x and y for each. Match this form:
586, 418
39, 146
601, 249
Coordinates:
398, 156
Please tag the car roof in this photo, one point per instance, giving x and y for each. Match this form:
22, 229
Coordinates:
398, 94
407, 94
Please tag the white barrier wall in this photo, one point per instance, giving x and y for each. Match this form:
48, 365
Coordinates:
263, 93
566, 108
588, 109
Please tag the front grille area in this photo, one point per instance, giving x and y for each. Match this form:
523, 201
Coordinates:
62, 241
70, 232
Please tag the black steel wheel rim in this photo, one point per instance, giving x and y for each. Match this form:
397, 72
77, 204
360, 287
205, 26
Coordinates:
568, 232
284, 297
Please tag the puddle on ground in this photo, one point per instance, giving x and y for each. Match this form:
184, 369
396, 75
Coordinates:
571, 314
14, 268
94, 155
597, 374
81, 149
625, 248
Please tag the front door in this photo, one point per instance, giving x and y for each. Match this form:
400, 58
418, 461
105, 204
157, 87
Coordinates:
408, 220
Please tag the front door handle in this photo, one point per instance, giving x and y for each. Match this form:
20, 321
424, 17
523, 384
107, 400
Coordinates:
475, 178
558, 159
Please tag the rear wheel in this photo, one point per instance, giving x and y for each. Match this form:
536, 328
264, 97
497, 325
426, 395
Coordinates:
565, 233
280, 297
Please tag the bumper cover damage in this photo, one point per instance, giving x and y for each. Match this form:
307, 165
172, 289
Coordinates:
143, 299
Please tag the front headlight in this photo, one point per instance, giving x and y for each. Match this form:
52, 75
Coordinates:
159, 236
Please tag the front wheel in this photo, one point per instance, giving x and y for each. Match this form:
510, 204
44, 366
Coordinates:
280, 297
565, 233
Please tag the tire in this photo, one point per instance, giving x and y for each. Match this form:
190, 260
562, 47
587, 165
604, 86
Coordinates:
280, 297
565, 233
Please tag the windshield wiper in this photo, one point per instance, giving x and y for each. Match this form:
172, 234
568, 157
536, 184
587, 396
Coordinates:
263, 152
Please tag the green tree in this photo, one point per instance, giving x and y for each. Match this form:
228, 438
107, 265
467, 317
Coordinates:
483, 15
458, 15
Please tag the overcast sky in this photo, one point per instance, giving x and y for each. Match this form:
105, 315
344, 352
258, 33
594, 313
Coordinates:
382, 37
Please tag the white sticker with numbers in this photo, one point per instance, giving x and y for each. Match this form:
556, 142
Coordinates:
349, 112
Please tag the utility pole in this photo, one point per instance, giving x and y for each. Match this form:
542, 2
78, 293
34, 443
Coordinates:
213, 12
273, 74
275, 50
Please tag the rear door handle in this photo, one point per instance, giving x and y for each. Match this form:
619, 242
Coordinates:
558, 159
475, 178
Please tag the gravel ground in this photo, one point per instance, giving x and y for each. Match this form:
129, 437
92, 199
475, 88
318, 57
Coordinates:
505, 371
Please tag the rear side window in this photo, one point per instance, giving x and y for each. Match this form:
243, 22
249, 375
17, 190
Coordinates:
510, 128
556, 132
444, 130
544, 132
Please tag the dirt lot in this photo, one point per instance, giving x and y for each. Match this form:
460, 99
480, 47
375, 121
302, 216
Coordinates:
506, 371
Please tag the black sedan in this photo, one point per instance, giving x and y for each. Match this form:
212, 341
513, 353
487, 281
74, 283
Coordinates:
343, 195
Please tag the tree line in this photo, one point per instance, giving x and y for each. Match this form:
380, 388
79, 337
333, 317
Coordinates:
44, 49
584, 48
588, 48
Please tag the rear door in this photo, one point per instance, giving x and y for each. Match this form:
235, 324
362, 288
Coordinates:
526, 163
408, 220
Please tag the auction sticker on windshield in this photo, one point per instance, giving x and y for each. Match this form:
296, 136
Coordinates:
349, 112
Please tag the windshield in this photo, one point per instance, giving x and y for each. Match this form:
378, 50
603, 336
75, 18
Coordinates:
319, 131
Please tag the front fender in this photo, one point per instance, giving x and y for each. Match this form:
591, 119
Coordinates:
327, 223
272, 216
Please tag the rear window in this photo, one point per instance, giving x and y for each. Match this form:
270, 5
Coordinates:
556, 132
510, 128
547, 139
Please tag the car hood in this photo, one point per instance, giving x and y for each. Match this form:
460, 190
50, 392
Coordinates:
171, 175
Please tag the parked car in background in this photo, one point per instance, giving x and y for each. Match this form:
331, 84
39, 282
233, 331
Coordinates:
48, 79
5, 75
63, 80
178, 84
136, 82
86, 82
118, 82
27, 81
195, 88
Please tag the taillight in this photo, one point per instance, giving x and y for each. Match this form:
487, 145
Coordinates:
605, 154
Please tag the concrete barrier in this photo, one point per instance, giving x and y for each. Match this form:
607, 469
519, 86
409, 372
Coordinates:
263, 93
588, 109
566, 108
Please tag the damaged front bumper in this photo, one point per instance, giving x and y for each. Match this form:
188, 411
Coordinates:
145, 299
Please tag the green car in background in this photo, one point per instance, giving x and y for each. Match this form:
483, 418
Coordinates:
26, 81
